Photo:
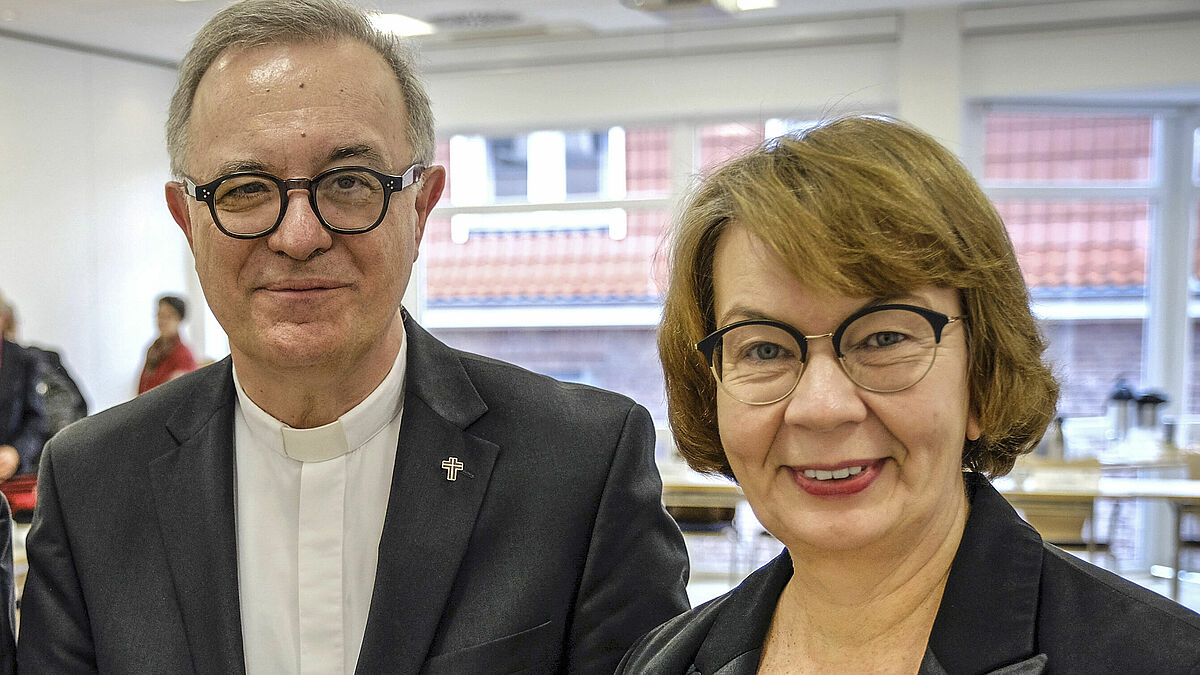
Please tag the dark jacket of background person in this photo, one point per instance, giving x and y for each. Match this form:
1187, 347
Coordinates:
62, 400
22, 419
552, 555
8, 645
1012, 602
166, 358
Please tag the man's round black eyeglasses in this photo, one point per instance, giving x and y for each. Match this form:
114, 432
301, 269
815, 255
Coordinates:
346, 199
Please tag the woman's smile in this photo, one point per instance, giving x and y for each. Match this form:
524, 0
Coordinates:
848, 478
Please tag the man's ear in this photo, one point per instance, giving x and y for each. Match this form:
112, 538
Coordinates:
433, 181
177, 203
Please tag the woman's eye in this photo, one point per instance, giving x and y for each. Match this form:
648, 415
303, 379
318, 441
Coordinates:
765, 351
884, 339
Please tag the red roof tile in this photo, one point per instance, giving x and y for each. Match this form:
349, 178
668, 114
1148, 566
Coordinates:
543, 265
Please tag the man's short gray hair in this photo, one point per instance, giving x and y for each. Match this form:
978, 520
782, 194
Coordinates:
254, 23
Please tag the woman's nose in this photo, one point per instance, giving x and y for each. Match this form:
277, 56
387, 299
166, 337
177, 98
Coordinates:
825, 397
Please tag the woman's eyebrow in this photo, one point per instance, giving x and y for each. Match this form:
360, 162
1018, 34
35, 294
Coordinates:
742, 313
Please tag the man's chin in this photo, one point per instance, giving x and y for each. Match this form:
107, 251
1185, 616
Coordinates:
297, 346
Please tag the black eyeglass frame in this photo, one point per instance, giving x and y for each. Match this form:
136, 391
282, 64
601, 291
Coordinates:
937, 320
207, 193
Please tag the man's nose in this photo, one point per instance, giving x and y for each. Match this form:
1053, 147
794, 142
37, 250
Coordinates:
300, 234
825, 397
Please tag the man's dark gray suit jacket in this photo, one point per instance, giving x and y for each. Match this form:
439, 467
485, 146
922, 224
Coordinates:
551, 552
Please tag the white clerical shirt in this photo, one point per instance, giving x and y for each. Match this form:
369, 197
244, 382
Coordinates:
310, 507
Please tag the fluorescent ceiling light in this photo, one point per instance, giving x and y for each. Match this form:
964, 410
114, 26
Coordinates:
747, 5
401, 25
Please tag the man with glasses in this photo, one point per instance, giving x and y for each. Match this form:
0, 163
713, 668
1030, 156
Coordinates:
345, 493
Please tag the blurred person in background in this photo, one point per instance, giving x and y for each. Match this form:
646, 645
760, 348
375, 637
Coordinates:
22, 417
847, 334
63, 401
167, 357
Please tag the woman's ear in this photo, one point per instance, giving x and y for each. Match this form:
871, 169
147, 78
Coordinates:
974, 431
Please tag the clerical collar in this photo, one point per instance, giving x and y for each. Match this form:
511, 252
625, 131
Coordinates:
345, 434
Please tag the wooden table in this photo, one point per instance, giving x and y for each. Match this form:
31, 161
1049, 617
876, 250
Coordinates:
684, 487
1177, 492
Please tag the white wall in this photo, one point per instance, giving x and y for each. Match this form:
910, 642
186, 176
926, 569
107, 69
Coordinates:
86, 241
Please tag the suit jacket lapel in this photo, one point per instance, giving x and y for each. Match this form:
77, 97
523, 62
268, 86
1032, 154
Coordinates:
193, 494
429, 517
988, 616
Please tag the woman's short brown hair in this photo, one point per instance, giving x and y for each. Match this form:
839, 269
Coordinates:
862, 206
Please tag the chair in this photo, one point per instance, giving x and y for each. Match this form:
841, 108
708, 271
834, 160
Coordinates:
1066, 514
21, 493
1189, 515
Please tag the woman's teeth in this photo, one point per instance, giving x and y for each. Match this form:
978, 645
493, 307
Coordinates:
844, 472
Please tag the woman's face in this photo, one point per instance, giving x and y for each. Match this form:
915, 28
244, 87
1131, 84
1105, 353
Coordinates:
167, 320
907, 444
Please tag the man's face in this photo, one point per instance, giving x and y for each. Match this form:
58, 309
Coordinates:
304, 296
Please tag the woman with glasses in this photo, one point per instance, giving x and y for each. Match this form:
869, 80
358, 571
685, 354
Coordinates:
848, 336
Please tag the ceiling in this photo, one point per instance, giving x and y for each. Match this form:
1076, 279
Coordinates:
159, 31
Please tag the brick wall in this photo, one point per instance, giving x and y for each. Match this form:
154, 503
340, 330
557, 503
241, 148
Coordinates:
624, 360
1088, 357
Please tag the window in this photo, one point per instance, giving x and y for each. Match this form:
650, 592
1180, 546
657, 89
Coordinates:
1068, 148
508, 160
721, 142
1192, 205
1088, 199
718, 143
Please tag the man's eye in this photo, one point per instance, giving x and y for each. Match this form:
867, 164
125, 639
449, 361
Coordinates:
251, 189
350, 181
248, 189
346, 182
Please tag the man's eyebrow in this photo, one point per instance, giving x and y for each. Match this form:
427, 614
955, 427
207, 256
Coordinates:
236, 165
358, 151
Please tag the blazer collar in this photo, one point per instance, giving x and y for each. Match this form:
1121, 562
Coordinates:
429, 518
988, 616
735, 640
986, 623
192, 485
